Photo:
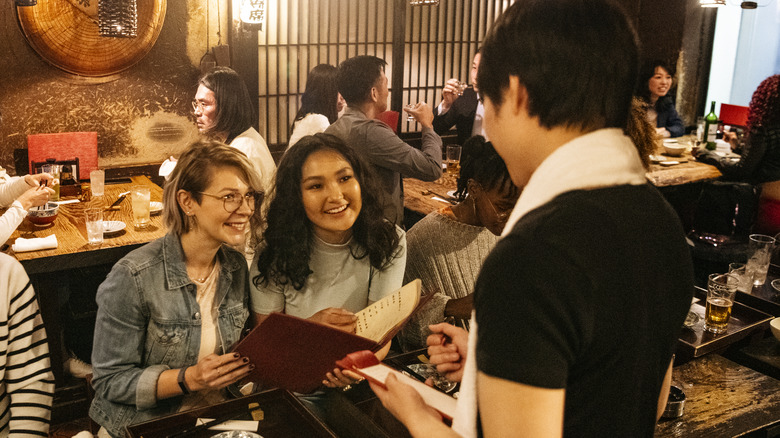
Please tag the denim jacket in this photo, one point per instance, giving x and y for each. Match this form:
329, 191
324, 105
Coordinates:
148, 321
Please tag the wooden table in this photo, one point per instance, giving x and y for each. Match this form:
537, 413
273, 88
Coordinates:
418, 197
74, 251
684, 173
723, 399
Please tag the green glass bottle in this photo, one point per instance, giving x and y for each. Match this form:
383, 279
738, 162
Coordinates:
710, 127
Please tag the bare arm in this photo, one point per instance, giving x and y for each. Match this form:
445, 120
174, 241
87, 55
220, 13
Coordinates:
664, 395
538, 412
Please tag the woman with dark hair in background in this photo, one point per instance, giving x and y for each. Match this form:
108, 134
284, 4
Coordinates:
328, 252
447, 247
655, 80
321, 103
223, 111
760, 161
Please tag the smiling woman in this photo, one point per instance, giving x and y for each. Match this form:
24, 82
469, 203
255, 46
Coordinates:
179, 303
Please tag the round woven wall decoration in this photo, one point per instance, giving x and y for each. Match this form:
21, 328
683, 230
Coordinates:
65, 33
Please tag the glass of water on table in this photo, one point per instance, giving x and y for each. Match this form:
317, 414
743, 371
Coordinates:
759, 255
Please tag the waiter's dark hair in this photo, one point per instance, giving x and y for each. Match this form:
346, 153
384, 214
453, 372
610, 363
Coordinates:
576, 59
357, 76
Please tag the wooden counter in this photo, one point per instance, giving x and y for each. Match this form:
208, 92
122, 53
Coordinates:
418, 197
723, 399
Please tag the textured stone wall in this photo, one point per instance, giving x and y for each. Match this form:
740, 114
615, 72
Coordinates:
141, 115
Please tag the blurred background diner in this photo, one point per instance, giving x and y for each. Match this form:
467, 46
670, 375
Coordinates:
131, 89
321, 103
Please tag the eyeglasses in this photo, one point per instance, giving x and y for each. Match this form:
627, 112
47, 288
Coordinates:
198, 105
500, 216
232, 201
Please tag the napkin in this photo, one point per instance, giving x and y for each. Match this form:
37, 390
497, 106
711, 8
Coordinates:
34, 244
167, 167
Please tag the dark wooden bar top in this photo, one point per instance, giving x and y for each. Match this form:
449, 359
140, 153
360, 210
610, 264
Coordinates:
723, 399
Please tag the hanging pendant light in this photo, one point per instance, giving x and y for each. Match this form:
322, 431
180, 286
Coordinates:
252, 13
117, 18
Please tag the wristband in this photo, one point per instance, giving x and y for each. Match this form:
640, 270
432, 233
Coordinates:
182, 382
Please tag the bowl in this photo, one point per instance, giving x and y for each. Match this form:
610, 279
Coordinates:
775, 326
674, 149
42, 216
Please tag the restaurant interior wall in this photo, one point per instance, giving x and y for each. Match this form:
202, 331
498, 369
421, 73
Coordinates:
142, 114
746, 51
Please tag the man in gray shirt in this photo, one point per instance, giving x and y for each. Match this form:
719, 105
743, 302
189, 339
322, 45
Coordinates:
363, 84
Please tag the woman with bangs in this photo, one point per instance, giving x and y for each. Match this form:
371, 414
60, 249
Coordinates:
170, 311
327, 251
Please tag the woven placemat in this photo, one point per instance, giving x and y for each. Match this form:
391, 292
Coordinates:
65, 33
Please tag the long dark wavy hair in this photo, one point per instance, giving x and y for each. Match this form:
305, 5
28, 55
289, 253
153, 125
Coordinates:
284, 258
234, 106
321, 94
764, 109
480, 161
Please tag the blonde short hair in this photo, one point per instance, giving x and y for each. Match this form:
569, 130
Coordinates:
193, 173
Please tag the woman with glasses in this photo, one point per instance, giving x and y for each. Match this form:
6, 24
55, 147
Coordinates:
223, 111
170, 311
447, 247
327, 252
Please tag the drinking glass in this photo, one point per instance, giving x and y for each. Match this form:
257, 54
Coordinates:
409, 116
721, 289
140, 198
453, 160
461, 86
97, 179
759, 255
745, 277
93, 218
54, 170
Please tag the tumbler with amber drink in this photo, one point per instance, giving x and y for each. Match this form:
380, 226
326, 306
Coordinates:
453, 160
721, 289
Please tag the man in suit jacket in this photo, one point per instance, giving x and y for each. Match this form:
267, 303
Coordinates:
464, 112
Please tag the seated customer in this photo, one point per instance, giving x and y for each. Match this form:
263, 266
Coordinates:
223, 111
464, 111
363, 84
170, 311
760, 161
447, 247
20, 194
655, 79
327, 251
321, 103
26, 380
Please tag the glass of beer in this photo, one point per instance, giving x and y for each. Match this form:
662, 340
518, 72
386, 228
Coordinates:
721, 289
453, 160
141, 199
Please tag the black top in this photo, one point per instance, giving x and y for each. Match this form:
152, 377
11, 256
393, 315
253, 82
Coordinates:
668, 117
760, 160
461, 115
588, 293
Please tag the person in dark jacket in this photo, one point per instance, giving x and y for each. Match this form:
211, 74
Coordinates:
655, 80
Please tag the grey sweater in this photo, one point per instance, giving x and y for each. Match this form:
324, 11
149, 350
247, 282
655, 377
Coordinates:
447, 256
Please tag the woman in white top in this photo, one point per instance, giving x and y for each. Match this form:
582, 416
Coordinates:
327, 252
223, 111
321, 104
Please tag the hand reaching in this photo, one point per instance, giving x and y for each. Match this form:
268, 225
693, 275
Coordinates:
35, 196
216, 372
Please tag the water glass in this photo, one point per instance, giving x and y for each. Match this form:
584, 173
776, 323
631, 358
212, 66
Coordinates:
759, 255
93, 217
54, 170
453, 160
745, 277
721, 289
97, 180
409, 116
141, 199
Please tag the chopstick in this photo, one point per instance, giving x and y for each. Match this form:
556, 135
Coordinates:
118, 200
446, 198
43, 183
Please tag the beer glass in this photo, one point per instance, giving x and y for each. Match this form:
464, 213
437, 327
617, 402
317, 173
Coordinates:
453, 160
721, 289
53, 170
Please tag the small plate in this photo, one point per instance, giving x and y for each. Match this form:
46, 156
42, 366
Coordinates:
155, 207
112, 227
